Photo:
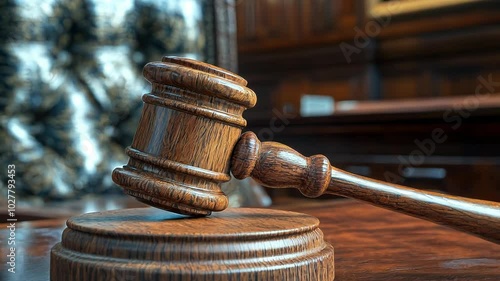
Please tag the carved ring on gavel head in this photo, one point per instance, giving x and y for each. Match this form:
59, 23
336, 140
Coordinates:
188, 139
190, 123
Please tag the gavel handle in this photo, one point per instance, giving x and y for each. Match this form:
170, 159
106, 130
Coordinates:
278, 166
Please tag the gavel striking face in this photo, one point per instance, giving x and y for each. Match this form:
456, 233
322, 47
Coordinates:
188, 139
189, 126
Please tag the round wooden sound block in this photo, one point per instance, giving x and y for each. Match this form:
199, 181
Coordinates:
152, 244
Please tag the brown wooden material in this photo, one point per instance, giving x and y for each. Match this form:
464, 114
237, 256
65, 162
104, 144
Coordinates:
175, 164
277, 165
370, 244
377, 50
190, 125
150, 244
376, 139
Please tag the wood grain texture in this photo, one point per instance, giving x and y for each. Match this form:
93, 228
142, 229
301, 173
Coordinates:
150, 244
376, 244
174, 162
276, 165
191, 123
378, 137
370, 244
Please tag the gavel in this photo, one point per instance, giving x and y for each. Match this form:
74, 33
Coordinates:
189, 140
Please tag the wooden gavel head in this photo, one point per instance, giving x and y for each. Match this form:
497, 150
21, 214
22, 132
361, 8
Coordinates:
189, 126
188, 139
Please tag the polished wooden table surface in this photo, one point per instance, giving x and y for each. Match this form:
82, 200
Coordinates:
370, 244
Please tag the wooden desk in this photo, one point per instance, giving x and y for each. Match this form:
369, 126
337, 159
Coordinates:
370, 243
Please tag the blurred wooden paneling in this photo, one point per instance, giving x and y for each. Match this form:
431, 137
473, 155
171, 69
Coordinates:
326, 19
267, 23
381, 139
400, 50
439, 76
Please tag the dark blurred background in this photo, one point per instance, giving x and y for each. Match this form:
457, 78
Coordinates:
402, 91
